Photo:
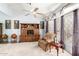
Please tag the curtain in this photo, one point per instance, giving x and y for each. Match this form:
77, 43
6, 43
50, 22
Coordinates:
75, 34
46, 26
54, 25
58, 28
62, 32
42, 29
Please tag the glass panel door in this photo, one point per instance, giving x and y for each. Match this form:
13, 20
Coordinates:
68, 31
58, 28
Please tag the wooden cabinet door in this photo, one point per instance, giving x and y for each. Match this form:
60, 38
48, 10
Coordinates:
0, 28
29, 32
0, 32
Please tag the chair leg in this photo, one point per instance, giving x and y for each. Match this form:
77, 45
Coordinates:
62, 49
46, 47
50, 47
57, 51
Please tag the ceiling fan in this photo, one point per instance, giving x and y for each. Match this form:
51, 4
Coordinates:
35, 13
31, 11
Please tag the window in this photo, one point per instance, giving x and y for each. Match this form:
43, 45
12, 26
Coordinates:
42, 24
16, 24
8, 24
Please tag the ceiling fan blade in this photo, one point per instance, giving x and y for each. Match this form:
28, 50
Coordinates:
41, 14
26, 10
27, 14
35, 9
29, 3
45, 16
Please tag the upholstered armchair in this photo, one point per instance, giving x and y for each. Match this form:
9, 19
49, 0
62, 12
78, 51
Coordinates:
48, 38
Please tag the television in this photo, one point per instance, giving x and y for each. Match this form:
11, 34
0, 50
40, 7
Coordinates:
30, 32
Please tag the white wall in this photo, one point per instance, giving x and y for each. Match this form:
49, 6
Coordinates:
58, 27
51, 26
33, 20
22, 19
66, 10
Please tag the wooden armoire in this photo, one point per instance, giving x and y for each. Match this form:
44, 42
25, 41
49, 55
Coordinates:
29, 32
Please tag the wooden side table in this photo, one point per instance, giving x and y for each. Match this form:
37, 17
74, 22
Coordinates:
56, 45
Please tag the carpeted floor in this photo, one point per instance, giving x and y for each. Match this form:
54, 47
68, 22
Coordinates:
27, 49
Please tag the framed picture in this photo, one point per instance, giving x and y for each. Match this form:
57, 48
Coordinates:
8, 24
42, 24
16, 24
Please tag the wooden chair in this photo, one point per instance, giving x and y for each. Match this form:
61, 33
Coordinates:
14, 37
5, 37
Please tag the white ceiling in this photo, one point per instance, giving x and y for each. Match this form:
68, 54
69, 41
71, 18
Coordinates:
18, 9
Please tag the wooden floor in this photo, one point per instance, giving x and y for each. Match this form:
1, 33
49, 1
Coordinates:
27, 49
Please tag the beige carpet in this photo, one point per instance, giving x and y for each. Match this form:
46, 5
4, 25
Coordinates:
27, 49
